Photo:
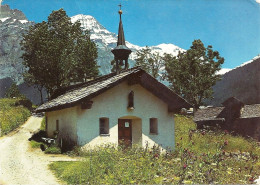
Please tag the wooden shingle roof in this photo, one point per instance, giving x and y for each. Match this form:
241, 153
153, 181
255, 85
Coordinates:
73, 95
211, 113
251, 111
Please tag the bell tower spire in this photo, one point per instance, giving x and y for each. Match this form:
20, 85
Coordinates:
121, 51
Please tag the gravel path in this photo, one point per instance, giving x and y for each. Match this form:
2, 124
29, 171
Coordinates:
19, 164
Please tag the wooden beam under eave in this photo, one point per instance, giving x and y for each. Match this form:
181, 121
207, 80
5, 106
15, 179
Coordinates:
86, 104
173, 110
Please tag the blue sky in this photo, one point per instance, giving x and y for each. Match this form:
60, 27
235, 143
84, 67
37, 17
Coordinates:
231, 26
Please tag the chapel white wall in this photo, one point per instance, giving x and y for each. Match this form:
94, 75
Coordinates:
113, 105
67, 123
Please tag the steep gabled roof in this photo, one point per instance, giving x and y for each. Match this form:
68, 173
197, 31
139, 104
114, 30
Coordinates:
232, 101
212, 113
75, 94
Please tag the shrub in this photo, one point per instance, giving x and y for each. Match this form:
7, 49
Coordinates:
35, 144
53, 150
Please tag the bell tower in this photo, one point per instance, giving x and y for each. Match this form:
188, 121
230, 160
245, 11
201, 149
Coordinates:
121, 51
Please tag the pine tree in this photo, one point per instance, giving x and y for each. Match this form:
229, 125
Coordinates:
193, 73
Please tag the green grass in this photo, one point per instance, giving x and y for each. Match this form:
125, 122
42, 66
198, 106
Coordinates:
53, 150
201, 157
11, 116
35, 144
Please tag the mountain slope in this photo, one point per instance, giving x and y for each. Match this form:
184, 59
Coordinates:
13, 24
243, 82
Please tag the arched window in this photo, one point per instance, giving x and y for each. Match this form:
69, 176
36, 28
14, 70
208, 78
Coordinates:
131, 100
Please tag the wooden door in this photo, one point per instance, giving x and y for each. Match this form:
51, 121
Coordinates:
125, 132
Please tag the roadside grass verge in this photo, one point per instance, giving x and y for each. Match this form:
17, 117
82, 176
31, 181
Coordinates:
35, 144
201, 157
11, 116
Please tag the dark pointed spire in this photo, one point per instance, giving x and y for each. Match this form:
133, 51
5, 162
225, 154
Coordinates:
121, 52
121, 36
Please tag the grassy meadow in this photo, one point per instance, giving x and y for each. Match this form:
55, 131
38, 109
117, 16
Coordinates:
201, 156
11, 116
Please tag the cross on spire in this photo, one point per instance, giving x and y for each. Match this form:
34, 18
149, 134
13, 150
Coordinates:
120, 6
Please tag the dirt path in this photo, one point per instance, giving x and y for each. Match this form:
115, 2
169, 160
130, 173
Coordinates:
19, 164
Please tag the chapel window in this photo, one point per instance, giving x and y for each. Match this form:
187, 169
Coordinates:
57, 125
103, 126
153, 126
131, 100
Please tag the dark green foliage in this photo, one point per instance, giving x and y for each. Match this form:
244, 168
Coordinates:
150, 62
24, 102
13, 91
193, 73
58, 52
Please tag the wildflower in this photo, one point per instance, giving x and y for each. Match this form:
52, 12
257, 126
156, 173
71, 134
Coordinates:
203, 133
251, 179
225, 131
156, 155
176, 178
226, 142
187, 182
185, 166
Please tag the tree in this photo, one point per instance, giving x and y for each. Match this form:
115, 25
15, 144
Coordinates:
13, 91
150, 62
193, 73
58, 52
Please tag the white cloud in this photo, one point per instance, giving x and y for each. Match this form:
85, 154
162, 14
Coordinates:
258, 1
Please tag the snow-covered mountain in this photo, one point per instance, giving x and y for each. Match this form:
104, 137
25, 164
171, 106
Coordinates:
107, 40
13, 23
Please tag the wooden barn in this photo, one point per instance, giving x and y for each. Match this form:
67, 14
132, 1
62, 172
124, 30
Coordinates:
233, 116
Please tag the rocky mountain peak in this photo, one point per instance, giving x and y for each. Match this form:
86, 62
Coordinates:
5, 12
13, 24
